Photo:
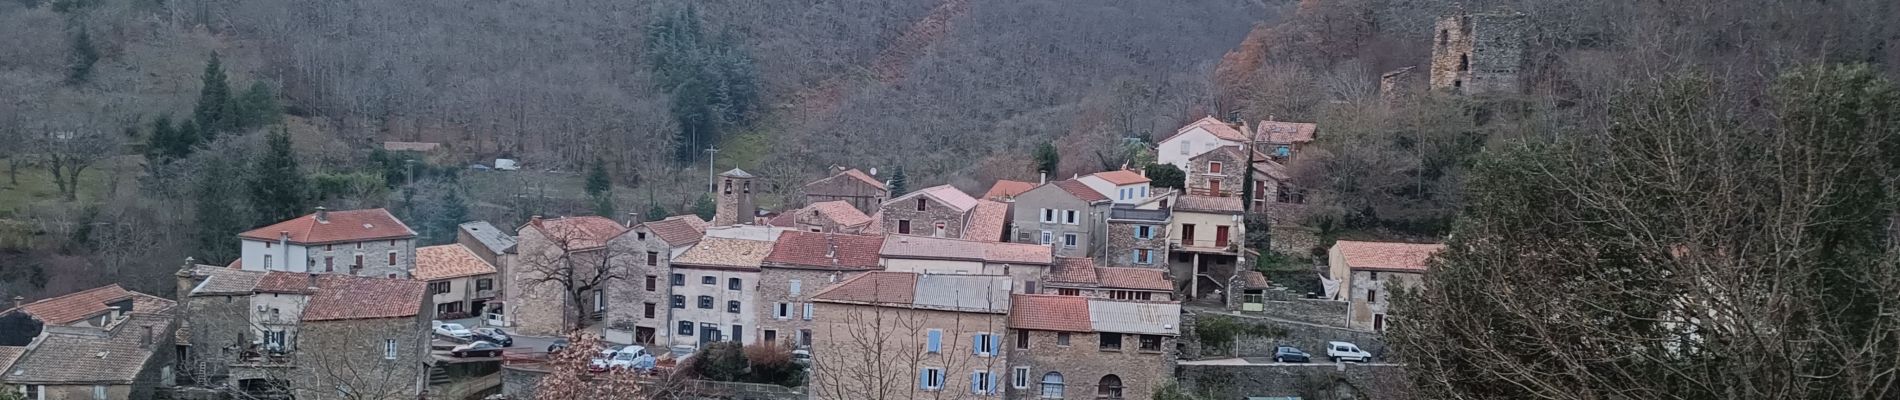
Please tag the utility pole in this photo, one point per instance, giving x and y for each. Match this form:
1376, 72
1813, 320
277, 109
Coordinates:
711, 182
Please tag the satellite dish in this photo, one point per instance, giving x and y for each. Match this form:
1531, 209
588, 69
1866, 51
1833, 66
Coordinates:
873, 171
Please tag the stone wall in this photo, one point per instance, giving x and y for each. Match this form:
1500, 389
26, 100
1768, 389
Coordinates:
350, 354
775, 287
860, 194
922, 223
627, 298
1122, 244
1294, 240
1321, 380
1083, 364
1478, 53
1309, 337
733, 202
375, 255
519, 382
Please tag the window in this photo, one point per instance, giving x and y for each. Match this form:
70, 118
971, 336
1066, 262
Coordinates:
794, 289
679, 301
679, 279
708, 280
939, 230
1068, 217
640, 236
1374, 274
1150, 343
1464, 62
1068, 240
933, 341
1144, 232
732, 306
1282, 151
1372, 295
1022, 340
268, 244
1069, 292
438, 288
738, 333
982, 382
389, 349
1213, 167
267, 262
1144, 256
359, 261
807, 311
733, 284
329, 247
653, 258
1048, 215
771, 335
1185, 144
1052, 385
686, 327
922, 205
648, 310
903, 227
329, 264
484, 284
1111, 341
804, 337
983, 344
706, 302
1110, 388
98, 392
392, 258
784, 311
600, 300
1129, 295
930, 379
653, 283
1048, 237
1019, 377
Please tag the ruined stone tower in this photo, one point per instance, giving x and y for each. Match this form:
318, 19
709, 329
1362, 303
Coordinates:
734, 199
1478, 53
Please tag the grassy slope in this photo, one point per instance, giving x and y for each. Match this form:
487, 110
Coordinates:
36, 185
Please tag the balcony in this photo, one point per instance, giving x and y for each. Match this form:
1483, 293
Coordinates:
1209, 246
1212, 192
486, 294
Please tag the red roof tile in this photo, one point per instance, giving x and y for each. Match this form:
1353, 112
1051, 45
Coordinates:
77, 306
1213, 126
986, 221
336, 227
449, 261
1284, 132
861, 176
1005, 188
341, 297
946, 194
1253, 280
1080, 190
680, 230
584, 232
880, 287
1121, 177
1405, 257
840, 212
828, 251
1073, 270
1134, 278
1044, 312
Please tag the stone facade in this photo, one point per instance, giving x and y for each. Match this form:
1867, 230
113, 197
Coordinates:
520, 381
1204, 179
1125, 238
863, 351
1083, 363
644, 287
716, 320
538, 307
1049, 210
793, 288
1299, 241
905, 219
843, 186
734, 199
1400, 84
371, 258
1370, 296
1478, 53
378, 358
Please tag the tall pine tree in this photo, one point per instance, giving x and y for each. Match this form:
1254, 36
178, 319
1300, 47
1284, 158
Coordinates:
213, 211
257, 107
900, 183
214, 110
277, 188
80, 61
1047, 159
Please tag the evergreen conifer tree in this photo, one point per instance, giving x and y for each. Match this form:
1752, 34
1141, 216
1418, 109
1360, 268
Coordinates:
1047, 159
900, 183
213, 212
278, 188
705, 208
213, 112
80, 61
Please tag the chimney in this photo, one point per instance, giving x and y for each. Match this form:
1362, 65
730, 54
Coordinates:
184, 281
117, 313
1042, 178
283, 238
19, 301
323, 215
633, 218
535, 220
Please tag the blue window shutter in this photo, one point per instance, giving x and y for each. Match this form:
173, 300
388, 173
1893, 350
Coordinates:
973, 380
976, 344
992, 384
936, 341
923, 378
990, 344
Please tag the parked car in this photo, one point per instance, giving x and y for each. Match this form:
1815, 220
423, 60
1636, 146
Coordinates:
479, 348
1342, 351
453, 330
802, 357
631, 357
558, 345
495, 335
1290, 354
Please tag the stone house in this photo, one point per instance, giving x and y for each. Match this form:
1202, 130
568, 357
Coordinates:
1136, 237
497, 247
1066, 347
942, 211
1367, 271
714, 285
734, 199
1200, 136
1067, 215
1025, 264
802, 263
101, 343
1282, 141
1479, 53
641, 308
886, 334
1005, 190
1082, 278
829, 216
550, 251
1218, 172
1121, 186
358, 242
1205, 238
308, 335
461, 283
851, 186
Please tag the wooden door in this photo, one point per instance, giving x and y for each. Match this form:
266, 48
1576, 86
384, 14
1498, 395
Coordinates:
1187, 234
1220, 236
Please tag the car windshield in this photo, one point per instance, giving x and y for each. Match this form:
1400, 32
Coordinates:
453, 327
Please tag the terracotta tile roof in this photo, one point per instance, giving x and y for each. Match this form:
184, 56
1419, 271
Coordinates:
1080, 190
854, 173
1284, 132
1273, 169
337, 227
1045, 312
930, 248
342, 297
875, 228
840, 212
449, 261
221, 280
827, 251
106, 357
1392, 256
877, 287
1080, 271
287, 282
1231, 152
1004, 189
725, 253
77, 306
946, 194
9, 354
580, 233
1208, 204
1134, 278
1254, 280
986, 221
679, 230
1121, 177
1214, 126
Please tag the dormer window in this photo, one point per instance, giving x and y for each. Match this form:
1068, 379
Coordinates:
922, 205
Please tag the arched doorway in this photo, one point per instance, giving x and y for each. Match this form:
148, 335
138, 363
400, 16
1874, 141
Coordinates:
1052, 385
1109, 388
